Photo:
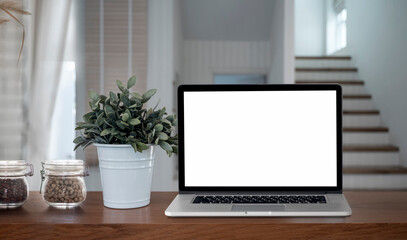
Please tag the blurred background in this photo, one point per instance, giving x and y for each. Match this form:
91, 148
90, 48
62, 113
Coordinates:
73, 46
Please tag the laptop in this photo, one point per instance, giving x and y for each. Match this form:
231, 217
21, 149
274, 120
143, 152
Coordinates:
260, 150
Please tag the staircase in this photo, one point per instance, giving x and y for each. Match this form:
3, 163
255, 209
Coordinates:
370, 160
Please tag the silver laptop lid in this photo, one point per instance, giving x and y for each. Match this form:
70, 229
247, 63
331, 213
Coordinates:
260, 138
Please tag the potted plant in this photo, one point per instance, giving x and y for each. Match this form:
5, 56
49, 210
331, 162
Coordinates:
126, 135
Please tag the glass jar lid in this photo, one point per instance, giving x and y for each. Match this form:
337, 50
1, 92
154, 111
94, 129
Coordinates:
68, 167
15, 168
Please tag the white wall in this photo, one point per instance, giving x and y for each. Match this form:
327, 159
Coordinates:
282, 42
201, 59
377, 33
160, 75
309, 27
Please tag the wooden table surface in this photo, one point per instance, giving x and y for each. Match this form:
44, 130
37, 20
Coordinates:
378, 214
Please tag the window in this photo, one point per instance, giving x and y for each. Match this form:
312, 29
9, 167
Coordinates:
239, 79
336, 31
341, 29
63, 118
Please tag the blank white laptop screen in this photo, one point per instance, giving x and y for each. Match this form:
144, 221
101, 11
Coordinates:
260, 138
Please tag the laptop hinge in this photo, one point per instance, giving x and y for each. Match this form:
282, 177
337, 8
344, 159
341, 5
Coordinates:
259, 192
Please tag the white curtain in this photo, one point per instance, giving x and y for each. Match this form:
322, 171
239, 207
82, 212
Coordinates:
49, 36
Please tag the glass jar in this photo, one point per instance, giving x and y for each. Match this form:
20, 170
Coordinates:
13, 182
62, 183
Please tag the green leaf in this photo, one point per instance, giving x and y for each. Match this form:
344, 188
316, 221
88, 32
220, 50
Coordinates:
93, 106
79, 140
107, 123
125, 117
136, 96
122, 125
92, 130
134, 145
93, 95
87, 117
100, 119
175, 149
121, 87
164, 145
125, 99
113, 98
166, 122
120, 138
141, 146
131, 82
105, 132
158, 127
134, 122
156, 141
147, 95
88, 125
109, 111
133, 106
170, 118
149, 126
114, 131
162, 136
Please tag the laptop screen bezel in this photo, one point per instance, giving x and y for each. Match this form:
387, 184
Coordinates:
258, 87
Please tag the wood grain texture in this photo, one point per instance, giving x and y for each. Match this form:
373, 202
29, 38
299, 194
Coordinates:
370, 148
378, 214
365, 129
361, 112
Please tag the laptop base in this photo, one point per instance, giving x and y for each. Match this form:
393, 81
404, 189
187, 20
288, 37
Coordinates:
182, 206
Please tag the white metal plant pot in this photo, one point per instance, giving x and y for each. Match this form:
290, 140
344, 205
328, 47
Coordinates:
126, 176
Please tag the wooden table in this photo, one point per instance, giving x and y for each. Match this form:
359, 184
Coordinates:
375, 214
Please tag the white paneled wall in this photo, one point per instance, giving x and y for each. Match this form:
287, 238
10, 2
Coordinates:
201, 59
11, 91
160, 75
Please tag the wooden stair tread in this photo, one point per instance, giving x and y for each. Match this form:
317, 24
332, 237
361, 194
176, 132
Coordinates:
365, 129
370, 148
361, 112
326, 69
323, 57
374, 170
341, 82
366, 96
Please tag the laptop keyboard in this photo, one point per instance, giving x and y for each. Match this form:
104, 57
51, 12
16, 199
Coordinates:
267, 199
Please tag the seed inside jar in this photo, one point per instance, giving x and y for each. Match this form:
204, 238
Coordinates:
12, 190
64, 190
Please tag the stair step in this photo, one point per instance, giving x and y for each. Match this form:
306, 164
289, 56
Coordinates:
326, 75
358, 104
326, 69
361, 112
341, 82
357, 96
365, 129
371, 159
323, 57
375, 182
374, 170
366, 138
370, 148
375, 177
362, 120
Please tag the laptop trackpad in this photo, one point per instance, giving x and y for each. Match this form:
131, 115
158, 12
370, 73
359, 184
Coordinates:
257, 208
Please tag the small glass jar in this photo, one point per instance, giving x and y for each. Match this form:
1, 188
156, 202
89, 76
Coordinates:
62, 183
13, 182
